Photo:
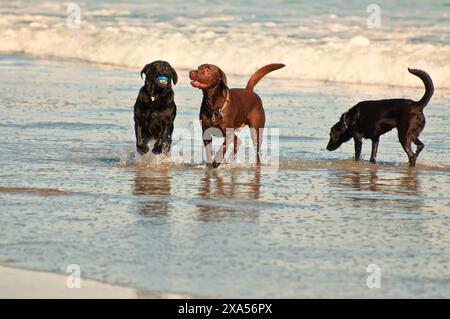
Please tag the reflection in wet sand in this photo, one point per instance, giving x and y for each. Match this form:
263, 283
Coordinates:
390, 186
155, 185
400, 182
241, 186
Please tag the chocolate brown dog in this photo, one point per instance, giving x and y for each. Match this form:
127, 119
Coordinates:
155, 109
371, 119
224, 109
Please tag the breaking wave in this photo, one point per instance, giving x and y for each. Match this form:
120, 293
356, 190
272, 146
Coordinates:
314, 47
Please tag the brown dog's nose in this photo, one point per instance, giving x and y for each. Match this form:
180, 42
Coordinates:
191, 74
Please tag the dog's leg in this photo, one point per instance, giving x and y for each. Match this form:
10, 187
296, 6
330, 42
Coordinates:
220, 155
256, 134
167, 142
208, 149
405, 140
163, 142
236, 144
158, 146
140, 145
358, 147
229, 137
373, 154
258, 148
420, 147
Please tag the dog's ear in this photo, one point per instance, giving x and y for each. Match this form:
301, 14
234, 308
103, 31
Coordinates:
174, 76
145, 69
223, 77
343, 120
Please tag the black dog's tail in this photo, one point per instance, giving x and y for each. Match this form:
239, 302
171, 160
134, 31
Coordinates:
429, 87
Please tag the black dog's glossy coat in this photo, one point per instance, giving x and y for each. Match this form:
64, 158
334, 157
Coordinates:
371, 119
155, 109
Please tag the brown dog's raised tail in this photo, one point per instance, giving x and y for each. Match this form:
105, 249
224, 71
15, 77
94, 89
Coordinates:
258, 75
429, 88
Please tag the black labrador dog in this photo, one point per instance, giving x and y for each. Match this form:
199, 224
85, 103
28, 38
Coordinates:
371, 119
155, 109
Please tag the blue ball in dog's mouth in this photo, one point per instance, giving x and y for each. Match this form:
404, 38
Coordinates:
162, 80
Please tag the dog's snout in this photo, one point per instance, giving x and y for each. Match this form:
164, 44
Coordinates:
191, 74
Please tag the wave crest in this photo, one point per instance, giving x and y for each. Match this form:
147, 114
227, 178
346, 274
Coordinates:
238, 50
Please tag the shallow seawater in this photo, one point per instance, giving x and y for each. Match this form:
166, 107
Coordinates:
73, 191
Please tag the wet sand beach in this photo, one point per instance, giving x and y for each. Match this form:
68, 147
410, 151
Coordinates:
73, 191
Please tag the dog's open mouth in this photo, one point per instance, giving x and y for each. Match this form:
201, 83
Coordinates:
198, 84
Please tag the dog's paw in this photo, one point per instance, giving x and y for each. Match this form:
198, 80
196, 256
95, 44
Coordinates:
157, 149
142, 149
215, 164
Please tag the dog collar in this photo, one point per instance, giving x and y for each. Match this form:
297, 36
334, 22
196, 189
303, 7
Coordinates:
219, 112
226, 102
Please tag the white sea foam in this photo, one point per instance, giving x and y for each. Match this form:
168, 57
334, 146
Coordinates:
326, 48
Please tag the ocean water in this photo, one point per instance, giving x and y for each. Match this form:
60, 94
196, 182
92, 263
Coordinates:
73, 191
318, 40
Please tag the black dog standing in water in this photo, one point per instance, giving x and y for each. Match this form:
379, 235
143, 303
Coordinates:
155, 109
371, 119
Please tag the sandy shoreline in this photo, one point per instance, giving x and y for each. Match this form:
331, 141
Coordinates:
19, 283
